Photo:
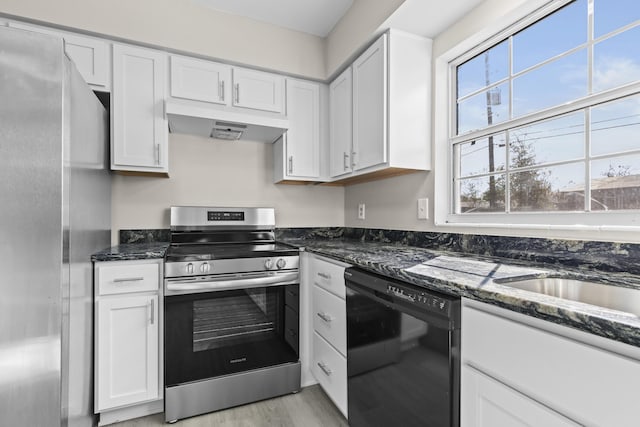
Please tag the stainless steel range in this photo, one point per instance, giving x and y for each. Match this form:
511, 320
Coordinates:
231, 311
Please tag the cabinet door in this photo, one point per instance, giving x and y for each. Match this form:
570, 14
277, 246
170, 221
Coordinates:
126, 351
303, 137
330, 369
370, 106
340, 124
199, 80
139, 137
258, 90
90, 55
486, 402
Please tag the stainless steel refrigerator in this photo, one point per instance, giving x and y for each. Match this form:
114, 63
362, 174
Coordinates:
55, 210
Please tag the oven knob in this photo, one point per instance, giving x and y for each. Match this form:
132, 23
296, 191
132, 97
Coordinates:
204, 268
281, 263
268, 264
189, 268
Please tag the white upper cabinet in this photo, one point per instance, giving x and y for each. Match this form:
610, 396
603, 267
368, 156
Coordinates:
258, 90
139, 128
340, 124
380, 110
199, 80
370, 106
90, 55
298, 153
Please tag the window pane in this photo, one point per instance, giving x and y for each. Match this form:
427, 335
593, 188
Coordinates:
482, 156
555, 83
615, 126
616, 60
483, 109
548, 141
484, 69
612, 14
557, 188
615, 183
557, 33
476, 195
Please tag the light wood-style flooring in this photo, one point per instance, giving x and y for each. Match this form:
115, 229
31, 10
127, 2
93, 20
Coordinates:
308, 408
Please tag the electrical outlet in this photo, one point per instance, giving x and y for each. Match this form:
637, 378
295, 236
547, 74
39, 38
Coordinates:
423, 208
361, 211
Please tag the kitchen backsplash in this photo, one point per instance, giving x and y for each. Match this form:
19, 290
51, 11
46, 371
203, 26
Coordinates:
601, 256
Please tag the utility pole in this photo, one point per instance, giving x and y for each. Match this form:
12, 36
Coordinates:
492, 178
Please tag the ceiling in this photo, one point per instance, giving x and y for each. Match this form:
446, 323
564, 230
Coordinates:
317, 17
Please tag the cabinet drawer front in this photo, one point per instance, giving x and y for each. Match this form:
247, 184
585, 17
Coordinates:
565, 375
329, 318
328, 276
330, 369
126, 278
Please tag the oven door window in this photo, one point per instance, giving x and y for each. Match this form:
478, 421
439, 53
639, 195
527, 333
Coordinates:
220, 333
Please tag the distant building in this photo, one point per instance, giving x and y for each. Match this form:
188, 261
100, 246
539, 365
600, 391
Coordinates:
607, 193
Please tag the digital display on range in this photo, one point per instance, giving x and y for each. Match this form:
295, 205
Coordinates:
225, 216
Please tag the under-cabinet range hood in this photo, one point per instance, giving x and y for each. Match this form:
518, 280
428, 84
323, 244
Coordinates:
220, 124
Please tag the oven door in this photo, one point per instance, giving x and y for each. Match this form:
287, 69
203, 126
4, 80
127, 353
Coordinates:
223, 325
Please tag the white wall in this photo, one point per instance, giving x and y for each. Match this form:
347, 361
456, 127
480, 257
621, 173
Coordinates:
220, 173
357, 28
186, 26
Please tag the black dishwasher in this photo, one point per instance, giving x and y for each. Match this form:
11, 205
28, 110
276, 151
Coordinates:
403, 353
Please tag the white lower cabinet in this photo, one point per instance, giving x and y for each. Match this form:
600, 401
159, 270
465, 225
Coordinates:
128, 340
328, 362
489, 403
519, 370
127, 350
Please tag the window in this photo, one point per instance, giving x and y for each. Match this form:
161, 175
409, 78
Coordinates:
546, 119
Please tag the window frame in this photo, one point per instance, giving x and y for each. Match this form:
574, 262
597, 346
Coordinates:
445, 92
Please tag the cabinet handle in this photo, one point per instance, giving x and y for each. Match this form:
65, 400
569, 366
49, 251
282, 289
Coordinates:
325, 276
325, 317
346, 161
222, 95
325, 369
290, 164
153, 317
353, 159
128, 279
237, 93
158, 154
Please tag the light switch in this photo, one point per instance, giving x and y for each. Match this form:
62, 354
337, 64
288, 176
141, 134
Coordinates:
423, 208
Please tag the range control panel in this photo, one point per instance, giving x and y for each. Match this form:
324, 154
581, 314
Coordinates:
225, 216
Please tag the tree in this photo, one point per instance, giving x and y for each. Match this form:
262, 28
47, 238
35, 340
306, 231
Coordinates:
529, 190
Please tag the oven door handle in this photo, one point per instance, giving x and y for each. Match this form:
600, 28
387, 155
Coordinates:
278, 279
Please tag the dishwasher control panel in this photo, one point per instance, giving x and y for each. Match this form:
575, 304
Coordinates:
422, 298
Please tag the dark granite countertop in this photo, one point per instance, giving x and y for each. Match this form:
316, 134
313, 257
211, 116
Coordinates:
478, 277
132, 251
